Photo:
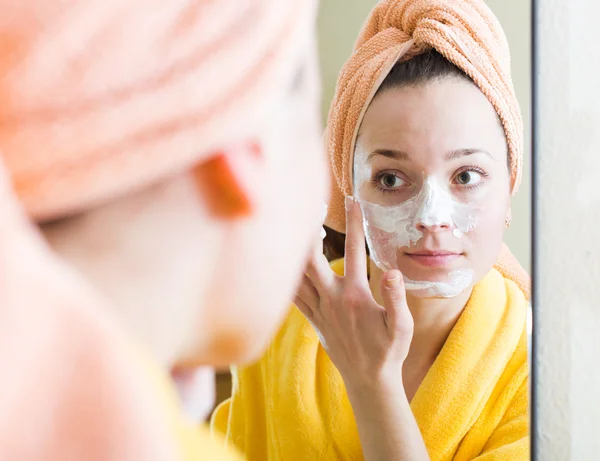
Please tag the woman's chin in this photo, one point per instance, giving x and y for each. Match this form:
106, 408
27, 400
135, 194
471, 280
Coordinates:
428, 275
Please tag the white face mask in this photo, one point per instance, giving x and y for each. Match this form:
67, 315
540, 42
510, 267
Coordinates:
387, 229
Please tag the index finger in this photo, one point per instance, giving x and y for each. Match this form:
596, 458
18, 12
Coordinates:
355, 261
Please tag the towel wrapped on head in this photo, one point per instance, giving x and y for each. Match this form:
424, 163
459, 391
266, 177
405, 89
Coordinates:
102, 97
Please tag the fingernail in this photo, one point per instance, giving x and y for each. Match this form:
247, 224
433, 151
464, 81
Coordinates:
349, 202
393, 282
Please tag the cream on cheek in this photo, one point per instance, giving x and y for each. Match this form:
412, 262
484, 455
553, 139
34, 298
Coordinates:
432, 206
390, 228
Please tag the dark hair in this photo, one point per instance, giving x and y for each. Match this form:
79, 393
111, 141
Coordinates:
417, 71
420, 70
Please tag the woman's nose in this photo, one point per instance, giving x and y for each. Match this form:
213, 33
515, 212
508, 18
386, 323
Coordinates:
425, 226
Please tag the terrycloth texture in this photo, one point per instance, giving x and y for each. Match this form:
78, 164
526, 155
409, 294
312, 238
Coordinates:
104, 96
468, 34
510, 269
472, 404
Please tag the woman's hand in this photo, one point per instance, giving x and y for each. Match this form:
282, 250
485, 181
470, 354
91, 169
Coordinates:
366, 342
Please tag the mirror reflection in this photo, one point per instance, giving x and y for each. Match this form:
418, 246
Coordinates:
407, 339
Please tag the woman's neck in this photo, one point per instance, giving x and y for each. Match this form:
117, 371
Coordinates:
434, 318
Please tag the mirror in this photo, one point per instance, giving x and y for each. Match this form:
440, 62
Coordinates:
430, 181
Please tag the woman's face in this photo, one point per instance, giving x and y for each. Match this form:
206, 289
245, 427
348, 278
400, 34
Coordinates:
212, 288
437, 155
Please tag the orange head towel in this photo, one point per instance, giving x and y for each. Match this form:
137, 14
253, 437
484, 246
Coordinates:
466, 33
103, 96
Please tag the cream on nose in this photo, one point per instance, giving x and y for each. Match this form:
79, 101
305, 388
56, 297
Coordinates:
434, 208
432, 228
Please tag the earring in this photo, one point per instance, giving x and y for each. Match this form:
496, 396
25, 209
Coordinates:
508, 218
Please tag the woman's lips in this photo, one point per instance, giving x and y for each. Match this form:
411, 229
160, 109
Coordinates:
434, 258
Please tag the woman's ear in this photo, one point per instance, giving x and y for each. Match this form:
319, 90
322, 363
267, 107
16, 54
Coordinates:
230, 180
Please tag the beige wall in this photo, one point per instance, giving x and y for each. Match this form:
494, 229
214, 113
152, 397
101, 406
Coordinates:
338, 26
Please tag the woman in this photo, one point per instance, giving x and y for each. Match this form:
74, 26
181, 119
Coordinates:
145, 147
420, 350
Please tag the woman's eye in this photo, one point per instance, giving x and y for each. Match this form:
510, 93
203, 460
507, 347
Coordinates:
390, 181
469, 178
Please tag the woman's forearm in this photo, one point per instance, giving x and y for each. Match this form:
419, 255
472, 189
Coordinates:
387, 428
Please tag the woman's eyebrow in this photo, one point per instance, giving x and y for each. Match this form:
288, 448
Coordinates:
457, 153
390, 153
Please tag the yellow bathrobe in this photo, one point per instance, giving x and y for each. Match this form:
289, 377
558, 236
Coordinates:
472, 404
